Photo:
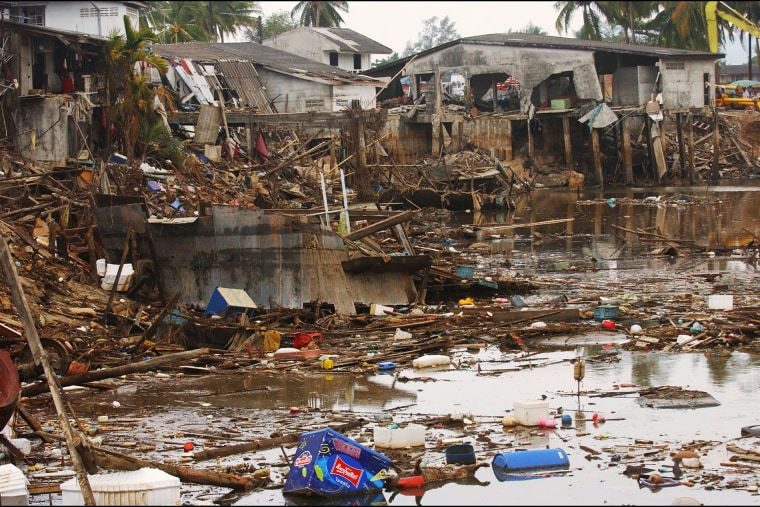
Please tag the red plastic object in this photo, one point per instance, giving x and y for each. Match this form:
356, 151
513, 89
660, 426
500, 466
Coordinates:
301, 340
608, 324
188, 446
411, 482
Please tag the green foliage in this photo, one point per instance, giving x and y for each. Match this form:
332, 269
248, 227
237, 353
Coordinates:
157, 142
382, 61
531, 29
122, 55
434, 33
210, 21
319, 14
279, 22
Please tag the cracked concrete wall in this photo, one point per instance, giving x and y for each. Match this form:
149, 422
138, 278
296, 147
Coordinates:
530, 66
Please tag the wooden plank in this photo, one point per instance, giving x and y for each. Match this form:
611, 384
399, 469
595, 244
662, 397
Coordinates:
502, 315
379, 226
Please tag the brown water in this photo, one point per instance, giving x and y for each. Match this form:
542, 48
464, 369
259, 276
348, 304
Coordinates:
251, 403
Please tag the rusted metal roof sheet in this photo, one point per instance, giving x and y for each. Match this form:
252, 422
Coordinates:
242, 77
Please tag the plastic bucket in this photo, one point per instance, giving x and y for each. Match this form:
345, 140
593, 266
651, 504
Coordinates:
460, 454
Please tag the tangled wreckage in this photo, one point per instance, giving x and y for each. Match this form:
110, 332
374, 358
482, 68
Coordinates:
264, 199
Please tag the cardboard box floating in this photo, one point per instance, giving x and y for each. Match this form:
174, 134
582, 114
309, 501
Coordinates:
327, 463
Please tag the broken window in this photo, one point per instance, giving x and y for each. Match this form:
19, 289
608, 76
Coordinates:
30, 15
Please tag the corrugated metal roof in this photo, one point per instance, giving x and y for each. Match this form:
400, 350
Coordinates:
276, 59
290, 63
243, 78
546, 41
550, 42
352, 41
198, 51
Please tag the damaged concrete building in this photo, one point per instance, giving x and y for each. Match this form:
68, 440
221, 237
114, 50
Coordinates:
565, 86
295, 258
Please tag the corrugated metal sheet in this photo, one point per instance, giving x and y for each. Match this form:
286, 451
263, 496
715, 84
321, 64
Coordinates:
288, 63
242, 77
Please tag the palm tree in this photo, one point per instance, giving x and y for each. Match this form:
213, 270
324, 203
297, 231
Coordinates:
628, 15
322, 14
682, 25
220, 18
592, 21
122, 55
177, 22
181, 21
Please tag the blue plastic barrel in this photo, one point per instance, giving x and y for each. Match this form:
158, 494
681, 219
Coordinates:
532, 459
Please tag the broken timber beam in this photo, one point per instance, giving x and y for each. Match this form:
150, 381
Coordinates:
379, 226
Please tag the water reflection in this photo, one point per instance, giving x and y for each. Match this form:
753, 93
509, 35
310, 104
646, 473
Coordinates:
621, 224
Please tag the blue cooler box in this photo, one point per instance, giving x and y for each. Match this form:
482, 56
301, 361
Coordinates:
507, 465
327, 463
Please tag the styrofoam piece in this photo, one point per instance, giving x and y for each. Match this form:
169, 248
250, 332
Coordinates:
402, 335
111, 269
146, 486
720, 302
379, 310
530, 412
431, 360
22, 444
398, 438
13, 486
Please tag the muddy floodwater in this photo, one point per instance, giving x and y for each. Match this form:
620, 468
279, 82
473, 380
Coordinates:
212, 408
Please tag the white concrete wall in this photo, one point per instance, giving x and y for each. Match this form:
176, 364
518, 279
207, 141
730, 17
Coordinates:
685, 88
343, 95
292, 95
304, 43
83, 17
530, 66
309, 44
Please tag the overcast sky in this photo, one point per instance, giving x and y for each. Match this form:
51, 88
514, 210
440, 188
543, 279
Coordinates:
393, 24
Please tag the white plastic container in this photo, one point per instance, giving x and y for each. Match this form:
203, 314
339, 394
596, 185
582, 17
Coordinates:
720, 302
530, 412
147, 486
431, 360
13, 486
412, 435
100, 265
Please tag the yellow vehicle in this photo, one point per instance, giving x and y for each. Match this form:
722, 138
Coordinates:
737, 19
732, 16
725, 96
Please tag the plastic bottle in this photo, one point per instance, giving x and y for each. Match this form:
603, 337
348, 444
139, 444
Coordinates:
518, 301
